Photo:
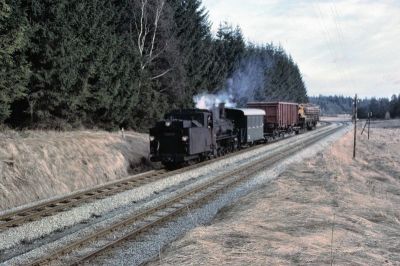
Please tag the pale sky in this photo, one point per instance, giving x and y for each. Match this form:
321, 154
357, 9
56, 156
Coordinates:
341, 47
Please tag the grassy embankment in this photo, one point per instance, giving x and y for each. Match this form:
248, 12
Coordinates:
36, 165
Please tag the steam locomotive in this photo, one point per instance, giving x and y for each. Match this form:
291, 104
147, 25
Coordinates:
191, 135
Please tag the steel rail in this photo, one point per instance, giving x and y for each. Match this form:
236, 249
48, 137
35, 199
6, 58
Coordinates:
48, 208
165, 210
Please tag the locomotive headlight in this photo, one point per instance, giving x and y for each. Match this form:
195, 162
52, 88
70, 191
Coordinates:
167, 123
185, 138
152, 138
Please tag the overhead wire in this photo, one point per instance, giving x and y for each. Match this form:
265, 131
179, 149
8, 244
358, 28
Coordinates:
331, 39
341, 43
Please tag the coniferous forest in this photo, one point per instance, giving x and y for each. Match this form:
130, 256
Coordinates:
380, 108
109, 64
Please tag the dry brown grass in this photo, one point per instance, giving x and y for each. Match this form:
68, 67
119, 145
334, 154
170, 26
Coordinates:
40, 164
289, 221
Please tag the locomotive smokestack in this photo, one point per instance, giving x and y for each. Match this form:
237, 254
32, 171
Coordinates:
221, 108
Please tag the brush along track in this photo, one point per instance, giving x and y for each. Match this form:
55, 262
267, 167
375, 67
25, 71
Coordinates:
96, 243
49, 208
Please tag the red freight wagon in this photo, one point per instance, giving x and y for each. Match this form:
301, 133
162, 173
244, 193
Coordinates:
280, 116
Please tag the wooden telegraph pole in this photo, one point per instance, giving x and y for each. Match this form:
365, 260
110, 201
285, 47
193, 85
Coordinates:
355, 125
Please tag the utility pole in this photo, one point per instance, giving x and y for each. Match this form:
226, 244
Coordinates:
355, 125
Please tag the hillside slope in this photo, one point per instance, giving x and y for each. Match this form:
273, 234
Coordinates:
36, 165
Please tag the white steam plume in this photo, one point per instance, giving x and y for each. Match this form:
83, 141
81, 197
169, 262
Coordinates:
247, 83
208, 101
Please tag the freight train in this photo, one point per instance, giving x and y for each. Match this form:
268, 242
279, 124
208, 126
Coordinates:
190, 135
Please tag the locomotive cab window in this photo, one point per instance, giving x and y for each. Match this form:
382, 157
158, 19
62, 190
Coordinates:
198, 117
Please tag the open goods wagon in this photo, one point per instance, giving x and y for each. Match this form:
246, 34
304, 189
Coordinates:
311, 111
308, 115
280, 116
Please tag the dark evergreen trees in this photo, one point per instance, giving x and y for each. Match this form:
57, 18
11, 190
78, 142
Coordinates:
394, 106
110, 64
284, 79
230, 48
14, 70
195, 44
331, 105
81, 68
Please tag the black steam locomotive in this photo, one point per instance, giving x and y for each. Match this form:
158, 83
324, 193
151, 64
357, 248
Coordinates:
190, 135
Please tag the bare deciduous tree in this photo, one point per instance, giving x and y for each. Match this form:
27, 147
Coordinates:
146, 23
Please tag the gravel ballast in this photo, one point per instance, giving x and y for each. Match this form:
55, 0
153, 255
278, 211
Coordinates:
149, 246
136, 199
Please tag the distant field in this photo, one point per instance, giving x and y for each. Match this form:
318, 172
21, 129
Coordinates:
36, 165
393, 123
336, 118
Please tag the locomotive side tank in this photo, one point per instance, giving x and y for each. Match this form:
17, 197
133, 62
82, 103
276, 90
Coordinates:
181, 136
190, 135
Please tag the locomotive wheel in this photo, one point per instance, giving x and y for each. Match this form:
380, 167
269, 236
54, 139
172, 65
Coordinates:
275, 134
171, 165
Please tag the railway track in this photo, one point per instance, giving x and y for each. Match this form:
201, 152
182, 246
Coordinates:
98, 242
48, 208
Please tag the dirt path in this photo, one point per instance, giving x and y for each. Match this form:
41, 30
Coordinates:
291, 219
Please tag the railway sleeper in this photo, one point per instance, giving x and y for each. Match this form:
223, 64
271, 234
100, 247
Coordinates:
147, 221
7, 219
23, 214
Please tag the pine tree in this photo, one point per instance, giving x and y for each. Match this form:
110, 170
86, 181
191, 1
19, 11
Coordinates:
195, 44
230, 47
283, 80
394, 106
14, 70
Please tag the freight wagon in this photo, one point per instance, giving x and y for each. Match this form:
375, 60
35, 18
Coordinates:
308, 116
280, 117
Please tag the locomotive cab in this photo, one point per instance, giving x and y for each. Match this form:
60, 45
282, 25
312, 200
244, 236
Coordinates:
182, 136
